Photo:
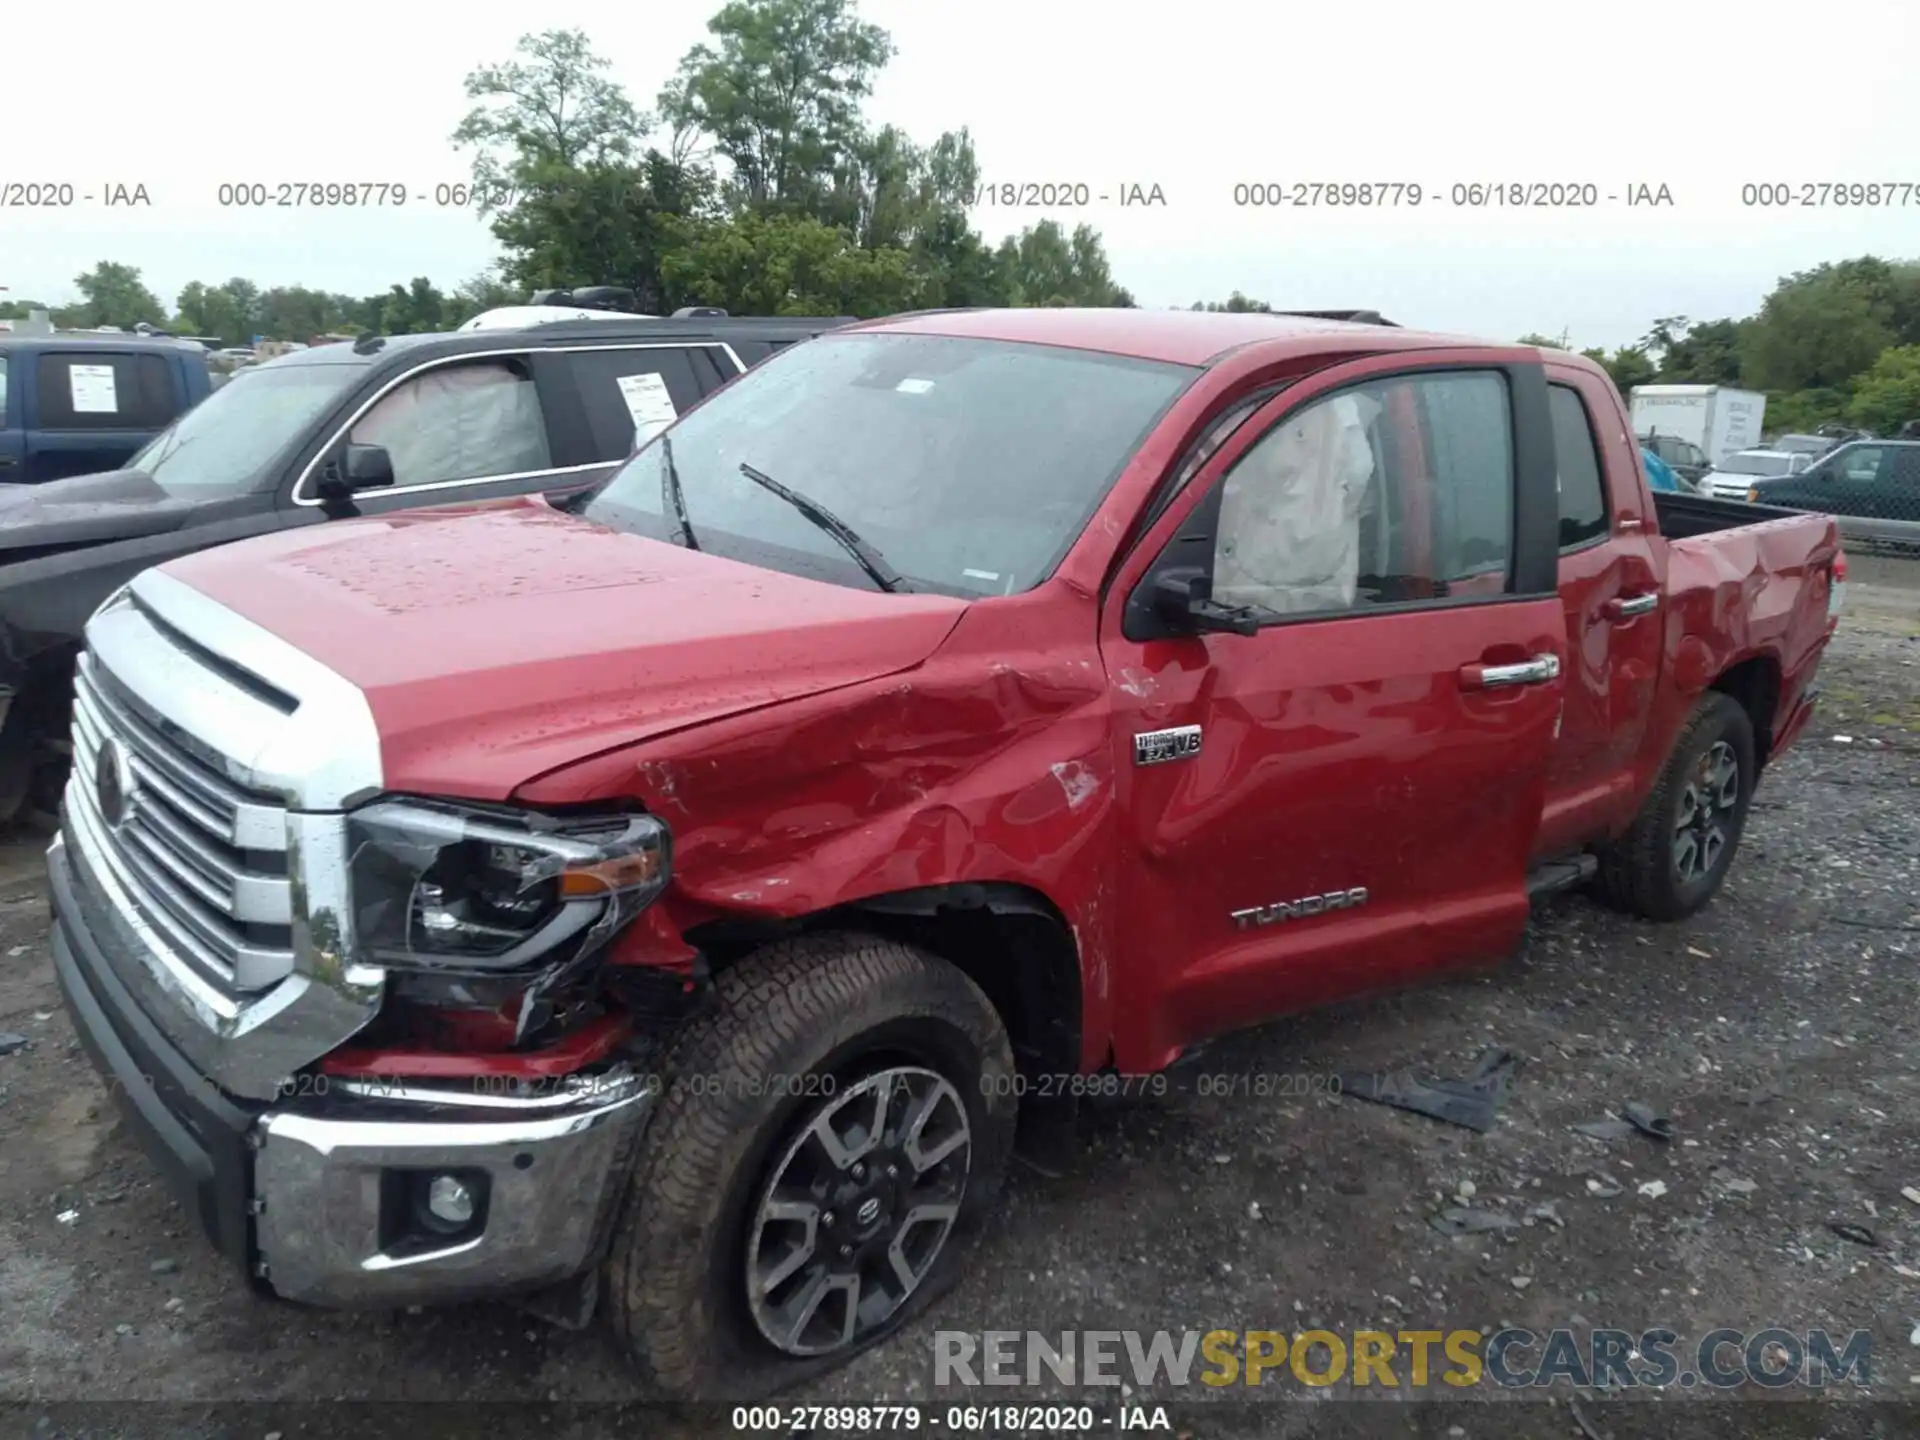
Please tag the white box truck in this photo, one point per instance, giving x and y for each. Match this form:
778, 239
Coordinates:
1717, 418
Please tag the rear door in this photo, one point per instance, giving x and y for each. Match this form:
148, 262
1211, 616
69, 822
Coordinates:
630, 393
1900, 482
1611, 587
1347, 797
93, 408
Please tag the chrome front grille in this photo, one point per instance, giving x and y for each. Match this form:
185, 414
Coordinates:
202, 858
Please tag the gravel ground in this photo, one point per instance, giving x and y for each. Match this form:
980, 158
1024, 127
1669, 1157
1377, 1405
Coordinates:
1778, 1029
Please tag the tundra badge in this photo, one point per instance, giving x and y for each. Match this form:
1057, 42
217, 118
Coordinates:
1156, 747
1299, 909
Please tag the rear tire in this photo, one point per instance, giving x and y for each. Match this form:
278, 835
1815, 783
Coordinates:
1677, 853
765, 1098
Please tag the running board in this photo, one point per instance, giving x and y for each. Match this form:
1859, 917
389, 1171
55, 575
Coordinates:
1558, 875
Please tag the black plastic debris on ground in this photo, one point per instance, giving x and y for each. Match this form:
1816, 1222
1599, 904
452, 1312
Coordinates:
1634, 1119
1473, 1103
1463, 1220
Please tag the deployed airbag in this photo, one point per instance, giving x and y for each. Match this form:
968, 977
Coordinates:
1291, 510
459, 423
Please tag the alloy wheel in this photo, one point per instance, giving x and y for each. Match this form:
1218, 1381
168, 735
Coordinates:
857, 1210
1703, 822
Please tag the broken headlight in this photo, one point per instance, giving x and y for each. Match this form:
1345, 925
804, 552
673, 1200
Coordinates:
458, 889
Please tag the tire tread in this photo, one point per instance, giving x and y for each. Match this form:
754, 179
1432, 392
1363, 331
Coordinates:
1633, 869
768, 1006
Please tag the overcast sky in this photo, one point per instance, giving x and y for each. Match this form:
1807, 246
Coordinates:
1195, 98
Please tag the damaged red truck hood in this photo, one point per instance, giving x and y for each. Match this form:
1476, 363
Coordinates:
497, 643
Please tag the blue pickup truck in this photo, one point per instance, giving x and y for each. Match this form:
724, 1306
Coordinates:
81, 404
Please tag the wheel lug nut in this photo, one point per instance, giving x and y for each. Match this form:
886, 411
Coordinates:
827, 1219
893, 1172
859, 1172
845, 1251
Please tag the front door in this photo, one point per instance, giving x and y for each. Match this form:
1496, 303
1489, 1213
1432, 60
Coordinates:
1347, 797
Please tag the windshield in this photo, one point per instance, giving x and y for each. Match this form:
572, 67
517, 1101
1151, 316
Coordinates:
1752, 462
222, 444
969, 465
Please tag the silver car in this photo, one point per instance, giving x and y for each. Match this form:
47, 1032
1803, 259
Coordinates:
1733, 474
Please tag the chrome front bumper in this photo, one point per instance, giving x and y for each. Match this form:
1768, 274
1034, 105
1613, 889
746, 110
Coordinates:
336, 1226
314, 1196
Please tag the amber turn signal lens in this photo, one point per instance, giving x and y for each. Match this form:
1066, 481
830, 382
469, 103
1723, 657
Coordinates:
626, 872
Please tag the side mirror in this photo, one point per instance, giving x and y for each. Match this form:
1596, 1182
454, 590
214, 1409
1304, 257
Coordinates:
1184, 596
368, 467
363, 467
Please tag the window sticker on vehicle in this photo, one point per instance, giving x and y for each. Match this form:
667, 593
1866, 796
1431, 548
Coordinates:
93, 389
912, 386
648, 403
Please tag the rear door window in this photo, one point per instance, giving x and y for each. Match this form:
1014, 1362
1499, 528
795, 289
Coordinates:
1862, 466
89, 390
1583, 499
631, 395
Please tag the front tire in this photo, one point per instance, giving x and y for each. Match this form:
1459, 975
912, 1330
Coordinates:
828, 1138
1676, 855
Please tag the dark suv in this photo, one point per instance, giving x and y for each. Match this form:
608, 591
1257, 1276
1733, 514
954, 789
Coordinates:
382, 424
1873, 486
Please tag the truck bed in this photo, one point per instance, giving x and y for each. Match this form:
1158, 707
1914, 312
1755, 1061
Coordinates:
1684, 516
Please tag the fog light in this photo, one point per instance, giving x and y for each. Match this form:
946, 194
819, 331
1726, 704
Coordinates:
450, 1200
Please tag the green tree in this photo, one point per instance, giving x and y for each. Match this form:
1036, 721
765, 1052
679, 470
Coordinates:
590, 203
1626, 367
113, 294
1821, 327
487, 291
415, 309
788, 265
1706, 354
1888, 394
608, 224
779, 93
230, 310
1043, 265
21, 309
553, 111
1236, 304
294, 312
1545, 342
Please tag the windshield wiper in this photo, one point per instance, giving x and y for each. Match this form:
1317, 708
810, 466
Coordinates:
871, 560
673, 499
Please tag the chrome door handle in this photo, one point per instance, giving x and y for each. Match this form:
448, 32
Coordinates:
1537, 671
1625, 607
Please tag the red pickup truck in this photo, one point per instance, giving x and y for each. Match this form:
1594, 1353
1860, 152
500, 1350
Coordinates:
674, 900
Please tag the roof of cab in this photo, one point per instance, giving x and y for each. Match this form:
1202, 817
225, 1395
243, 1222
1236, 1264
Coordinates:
554, 334
97, 340
1180, 337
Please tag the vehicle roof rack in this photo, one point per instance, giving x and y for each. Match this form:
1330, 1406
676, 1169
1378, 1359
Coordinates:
616, 298
1351, 317
700, 312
